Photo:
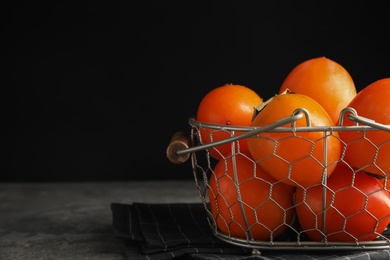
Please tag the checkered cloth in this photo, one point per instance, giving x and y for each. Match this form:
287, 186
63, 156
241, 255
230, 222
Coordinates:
181, 231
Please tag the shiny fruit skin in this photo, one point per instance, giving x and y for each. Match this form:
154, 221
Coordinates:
227, 105
324, 80
356, 207
371, 151
275, 152
265, 211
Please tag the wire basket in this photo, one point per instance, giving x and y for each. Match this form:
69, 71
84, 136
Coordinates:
245, 217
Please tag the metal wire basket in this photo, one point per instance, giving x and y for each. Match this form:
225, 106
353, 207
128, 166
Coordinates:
294, 238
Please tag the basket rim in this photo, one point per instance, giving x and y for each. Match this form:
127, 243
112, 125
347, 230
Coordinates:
360, 123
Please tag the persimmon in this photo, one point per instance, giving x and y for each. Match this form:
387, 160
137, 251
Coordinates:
370, 150
295, 157
238, 188
324, 80
355, 207
227, 105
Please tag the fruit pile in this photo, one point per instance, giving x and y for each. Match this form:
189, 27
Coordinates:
333, 184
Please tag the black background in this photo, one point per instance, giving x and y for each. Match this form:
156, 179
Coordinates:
94, 90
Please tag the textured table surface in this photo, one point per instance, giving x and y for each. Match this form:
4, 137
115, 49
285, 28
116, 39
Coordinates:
74, 220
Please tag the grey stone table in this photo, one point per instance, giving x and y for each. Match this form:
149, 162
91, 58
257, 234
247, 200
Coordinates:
73, 220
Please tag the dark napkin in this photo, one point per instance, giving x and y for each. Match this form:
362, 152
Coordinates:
181, 231
167, 231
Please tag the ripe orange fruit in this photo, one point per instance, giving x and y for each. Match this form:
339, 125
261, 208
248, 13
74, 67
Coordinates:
297, 158
370, 150
324, 80
356, 207
266, 203
227, 105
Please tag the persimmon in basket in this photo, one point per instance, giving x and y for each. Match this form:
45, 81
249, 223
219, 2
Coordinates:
370, 150
324, 80
356, 207
295, 157
227, 105
238, 189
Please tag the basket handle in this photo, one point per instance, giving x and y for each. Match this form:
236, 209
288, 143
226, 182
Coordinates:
179, 141
179, 149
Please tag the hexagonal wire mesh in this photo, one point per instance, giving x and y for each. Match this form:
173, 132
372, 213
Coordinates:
237, 222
